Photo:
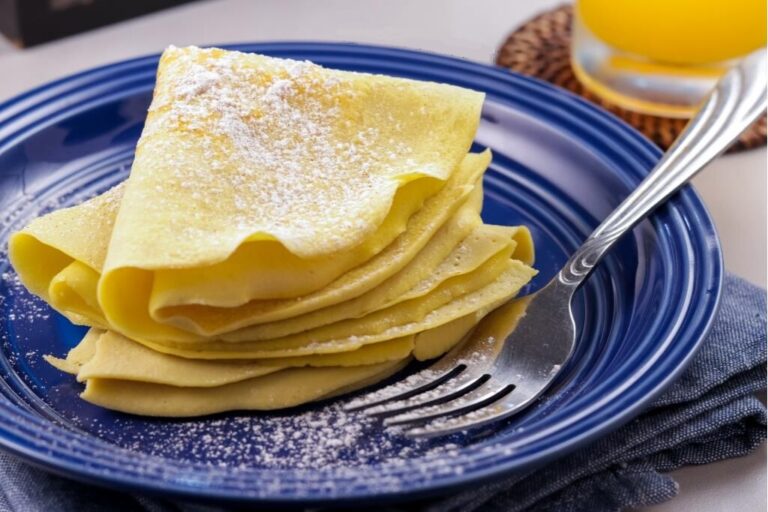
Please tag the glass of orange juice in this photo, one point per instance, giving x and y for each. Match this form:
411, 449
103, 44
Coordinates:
661, 56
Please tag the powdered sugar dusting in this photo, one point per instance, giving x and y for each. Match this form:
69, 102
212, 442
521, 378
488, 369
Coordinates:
276, 133
319, 438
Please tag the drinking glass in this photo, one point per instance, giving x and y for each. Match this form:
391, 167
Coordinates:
661, 57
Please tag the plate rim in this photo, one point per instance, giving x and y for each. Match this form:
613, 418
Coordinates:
64, 468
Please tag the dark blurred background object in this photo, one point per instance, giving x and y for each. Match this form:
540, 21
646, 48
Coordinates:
31, 22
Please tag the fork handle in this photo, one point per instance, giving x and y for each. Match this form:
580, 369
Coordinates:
737, 100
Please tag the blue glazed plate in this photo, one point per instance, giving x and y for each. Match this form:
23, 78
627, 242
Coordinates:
560, 165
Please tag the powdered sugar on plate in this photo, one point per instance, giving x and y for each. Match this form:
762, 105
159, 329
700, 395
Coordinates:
316, 437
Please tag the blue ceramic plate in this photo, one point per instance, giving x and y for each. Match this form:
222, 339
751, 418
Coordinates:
560, 165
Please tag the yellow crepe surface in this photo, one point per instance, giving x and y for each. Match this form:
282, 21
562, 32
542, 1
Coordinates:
450, 301
118, 377
277, 390
424, 228
418, 279
106, 354
287, 233
54, 251
115, 363
276, 176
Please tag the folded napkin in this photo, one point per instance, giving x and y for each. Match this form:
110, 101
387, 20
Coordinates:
711, 413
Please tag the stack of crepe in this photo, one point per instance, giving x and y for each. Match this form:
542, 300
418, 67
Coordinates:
287, 233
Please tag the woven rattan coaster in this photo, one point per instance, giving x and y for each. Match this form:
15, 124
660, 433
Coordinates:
540, 48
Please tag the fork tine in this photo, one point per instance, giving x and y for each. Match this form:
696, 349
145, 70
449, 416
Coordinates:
419, 382
502, 408
483, 395
448, 390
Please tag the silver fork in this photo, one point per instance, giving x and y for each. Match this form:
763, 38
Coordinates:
501, 368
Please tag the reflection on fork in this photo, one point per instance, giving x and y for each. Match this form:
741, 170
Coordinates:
498, 370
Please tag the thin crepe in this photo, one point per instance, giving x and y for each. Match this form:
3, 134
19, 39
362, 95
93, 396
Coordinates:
60, 257
449, 302
264, 178
287, 233
117, 375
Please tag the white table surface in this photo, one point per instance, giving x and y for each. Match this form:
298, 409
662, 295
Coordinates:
734, 187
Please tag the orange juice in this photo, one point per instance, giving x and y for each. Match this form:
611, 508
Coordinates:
678, 31
662, 56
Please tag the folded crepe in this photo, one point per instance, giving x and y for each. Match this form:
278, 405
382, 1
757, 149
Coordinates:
61, 257
122, 375
287, 233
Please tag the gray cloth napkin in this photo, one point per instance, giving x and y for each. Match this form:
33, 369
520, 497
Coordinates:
711, 413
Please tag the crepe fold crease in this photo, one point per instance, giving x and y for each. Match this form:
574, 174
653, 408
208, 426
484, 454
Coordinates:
287, 233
